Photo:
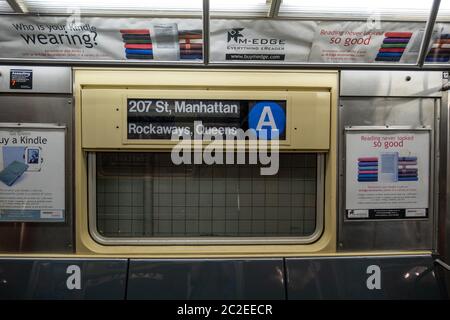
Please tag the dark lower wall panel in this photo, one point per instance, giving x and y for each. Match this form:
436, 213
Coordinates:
206, 279
386, 277
62, 279
414, 277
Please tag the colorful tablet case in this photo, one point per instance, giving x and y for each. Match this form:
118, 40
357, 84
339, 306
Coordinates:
138, 44
390, 168
11, 173
367, 169
439, 51
396, 40
407, 170
135, 31
146, 46
138, 51
126, 37
140, 56
138, 41
190, 32
400, 34
394, 44
191, 44
188, 46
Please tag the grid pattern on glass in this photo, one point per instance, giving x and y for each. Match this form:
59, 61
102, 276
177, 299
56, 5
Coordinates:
143, 195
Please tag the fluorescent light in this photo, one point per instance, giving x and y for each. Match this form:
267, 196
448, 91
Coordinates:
444, 10
402, 9
255, 7
240, 6
5, 7
112, 6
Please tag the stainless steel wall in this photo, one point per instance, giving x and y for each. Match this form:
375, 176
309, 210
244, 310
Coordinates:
50, 102
389, 98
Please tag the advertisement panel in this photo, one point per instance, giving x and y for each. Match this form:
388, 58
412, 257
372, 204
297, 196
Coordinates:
231, 40
387, 174
124, 39
32, 173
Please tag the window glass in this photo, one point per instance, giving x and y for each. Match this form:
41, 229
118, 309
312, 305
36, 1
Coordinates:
144, 195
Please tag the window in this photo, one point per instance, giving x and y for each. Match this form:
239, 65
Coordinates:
145, 196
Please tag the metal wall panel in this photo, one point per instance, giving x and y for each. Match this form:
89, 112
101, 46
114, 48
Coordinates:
55, 279
45, 79
444, 182
402, 278
206, 279
41, 237
392, 234
390, 84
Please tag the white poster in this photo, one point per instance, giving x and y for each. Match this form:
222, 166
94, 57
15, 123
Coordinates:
387, 174
126, 39
32, 171
364, 42
261, 40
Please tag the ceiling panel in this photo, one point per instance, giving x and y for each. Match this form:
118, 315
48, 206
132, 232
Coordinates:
183, 7
4, 7
400, 9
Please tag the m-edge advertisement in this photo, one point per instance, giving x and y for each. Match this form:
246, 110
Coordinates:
32, 174
261, 40
356, 42
163, 118
387, 174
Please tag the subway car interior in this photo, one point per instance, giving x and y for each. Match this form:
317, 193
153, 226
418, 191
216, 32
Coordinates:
206, 149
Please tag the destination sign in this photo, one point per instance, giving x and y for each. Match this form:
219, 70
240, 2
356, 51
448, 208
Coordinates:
160, 118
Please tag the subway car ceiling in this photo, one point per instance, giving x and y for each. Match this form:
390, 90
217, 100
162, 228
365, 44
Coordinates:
100, 198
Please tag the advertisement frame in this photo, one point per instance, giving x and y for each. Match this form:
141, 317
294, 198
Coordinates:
44, 127
394, 129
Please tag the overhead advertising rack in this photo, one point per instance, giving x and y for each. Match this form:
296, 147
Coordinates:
365, 34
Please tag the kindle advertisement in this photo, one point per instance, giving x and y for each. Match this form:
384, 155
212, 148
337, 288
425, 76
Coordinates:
101, 38
32, 170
